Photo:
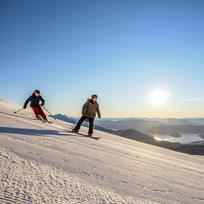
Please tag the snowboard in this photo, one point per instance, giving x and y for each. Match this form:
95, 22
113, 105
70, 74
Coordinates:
84, 135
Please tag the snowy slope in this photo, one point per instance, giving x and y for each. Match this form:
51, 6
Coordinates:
41, 163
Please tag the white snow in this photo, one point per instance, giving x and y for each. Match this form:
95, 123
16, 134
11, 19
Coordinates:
41, 163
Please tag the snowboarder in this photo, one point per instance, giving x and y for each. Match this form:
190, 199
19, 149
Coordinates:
89, 110
34, 100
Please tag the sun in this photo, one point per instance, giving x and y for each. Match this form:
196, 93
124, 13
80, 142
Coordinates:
159, 97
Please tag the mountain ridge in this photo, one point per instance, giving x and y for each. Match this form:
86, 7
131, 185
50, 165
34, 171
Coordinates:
143, 137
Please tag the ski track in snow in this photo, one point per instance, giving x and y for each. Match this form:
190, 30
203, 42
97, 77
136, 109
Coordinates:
41, 163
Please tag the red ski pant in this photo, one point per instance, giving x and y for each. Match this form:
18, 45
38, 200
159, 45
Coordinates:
39, 112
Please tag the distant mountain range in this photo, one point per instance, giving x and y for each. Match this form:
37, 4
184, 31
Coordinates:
195, 148
139, 136
169, 129
148, 126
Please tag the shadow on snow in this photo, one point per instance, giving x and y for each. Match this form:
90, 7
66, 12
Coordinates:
25, 131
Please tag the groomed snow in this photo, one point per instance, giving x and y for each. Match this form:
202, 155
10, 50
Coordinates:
41, 163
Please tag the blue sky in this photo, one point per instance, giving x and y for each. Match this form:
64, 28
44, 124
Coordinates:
120, 50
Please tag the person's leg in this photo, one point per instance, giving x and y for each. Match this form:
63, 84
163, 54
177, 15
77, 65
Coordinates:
79, 123
91, 122
36, 112
42, 114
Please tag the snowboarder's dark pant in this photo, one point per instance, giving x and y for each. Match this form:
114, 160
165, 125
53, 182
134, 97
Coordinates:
91, 121
39, 112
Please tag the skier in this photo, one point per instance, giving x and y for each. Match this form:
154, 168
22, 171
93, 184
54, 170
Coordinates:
34, 100
89, 110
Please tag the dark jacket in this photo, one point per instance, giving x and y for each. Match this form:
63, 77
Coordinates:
90, 109
34, 101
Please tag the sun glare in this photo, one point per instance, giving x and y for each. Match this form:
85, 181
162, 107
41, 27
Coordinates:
159, 97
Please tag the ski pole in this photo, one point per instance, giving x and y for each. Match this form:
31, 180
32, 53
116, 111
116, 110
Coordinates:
18, 110
49, 112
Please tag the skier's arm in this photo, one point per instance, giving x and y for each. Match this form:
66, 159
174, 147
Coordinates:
98, 112
84, 108
26, 102
42, 100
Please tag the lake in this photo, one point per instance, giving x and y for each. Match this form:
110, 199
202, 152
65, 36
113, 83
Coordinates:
184, 139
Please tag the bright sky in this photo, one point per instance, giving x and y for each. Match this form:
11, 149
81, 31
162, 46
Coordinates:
144, 58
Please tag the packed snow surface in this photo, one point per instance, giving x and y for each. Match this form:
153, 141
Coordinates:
42, 163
